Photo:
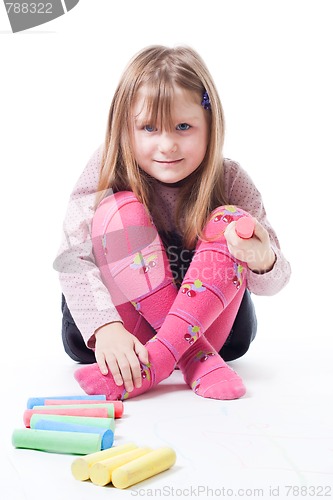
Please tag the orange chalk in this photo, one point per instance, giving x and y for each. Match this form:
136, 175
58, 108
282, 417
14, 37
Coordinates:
118, 405
77, 412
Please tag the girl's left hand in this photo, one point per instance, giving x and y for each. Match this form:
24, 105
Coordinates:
256, 251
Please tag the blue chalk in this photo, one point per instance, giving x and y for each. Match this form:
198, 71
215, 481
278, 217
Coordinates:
52, 425
40, 401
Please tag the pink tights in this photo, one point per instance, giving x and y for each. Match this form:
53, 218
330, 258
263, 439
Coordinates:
186, 327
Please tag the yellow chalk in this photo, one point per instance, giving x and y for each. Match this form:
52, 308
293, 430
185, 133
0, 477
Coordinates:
81, 466
146, 466
101, 472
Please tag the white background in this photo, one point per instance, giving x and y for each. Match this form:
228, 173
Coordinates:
272, 63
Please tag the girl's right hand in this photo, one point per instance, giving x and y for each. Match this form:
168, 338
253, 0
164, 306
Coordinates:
119, 351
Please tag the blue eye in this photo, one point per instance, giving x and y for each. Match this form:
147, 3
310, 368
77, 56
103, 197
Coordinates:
183, 126
149, 128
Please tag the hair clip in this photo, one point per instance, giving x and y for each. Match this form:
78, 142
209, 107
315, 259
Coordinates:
205, 100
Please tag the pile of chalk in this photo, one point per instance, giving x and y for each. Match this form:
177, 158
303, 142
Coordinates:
68, 424
85, 425
123, 465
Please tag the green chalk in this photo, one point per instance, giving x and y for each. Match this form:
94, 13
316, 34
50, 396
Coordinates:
75, 443
105, 423
109, 407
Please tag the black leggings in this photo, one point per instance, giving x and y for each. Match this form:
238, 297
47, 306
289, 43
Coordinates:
241, 335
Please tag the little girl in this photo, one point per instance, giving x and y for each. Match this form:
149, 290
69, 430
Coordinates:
153, 272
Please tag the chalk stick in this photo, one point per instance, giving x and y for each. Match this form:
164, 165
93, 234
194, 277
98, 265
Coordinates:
40, 401
245, 227
56, 441
104, 423
109, 407
146, 466
51, 425
118, 405
81, 466
76, 412
101, 472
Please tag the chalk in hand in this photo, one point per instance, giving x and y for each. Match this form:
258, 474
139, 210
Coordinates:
245, 227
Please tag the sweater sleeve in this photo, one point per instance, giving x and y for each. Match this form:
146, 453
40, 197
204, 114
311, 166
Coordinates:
86, 295
242, 192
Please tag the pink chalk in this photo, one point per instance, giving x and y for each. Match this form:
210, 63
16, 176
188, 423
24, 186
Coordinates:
245, 227
75, 412
118, 405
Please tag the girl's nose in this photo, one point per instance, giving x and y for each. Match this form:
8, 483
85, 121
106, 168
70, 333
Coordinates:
167, 143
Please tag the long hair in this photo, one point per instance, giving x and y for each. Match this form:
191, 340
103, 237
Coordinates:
159, 69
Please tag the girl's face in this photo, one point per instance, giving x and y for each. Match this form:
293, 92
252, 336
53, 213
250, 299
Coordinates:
171, 156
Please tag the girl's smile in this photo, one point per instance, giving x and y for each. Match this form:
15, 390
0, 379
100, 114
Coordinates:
170, 155
168, 162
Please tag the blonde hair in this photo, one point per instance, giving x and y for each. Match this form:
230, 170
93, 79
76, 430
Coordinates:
160, 69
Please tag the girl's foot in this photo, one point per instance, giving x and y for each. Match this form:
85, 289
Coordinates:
161, 365
208, 375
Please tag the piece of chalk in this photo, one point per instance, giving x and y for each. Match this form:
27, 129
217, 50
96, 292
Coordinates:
56, 441
245, 227
81, 466
146, 466
109, 407
76, 412
101, 472
104, 423
51, 425
40, 401
118, 405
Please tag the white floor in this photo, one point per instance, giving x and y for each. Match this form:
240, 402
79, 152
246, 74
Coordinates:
275, 441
